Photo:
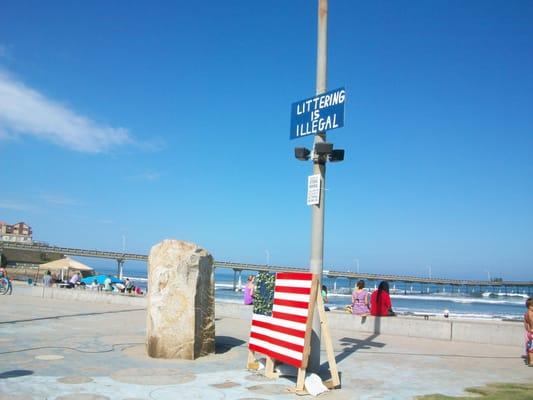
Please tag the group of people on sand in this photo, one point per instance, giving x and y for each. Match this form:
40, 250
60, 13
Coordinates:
50, 279
126, 286
108, 285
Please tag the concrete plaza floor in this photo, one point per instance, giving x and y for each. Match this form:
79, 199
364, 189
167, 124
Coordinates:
58, 349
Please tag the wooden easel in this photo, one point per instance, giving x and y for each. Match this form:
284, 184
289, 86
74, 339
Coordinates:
316, 301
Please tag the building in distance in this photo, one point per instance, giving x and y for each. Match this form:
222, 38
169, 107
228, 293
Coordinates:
19, 232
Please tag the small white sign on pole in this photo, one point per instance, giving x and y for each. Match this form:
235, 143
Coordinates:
313, 189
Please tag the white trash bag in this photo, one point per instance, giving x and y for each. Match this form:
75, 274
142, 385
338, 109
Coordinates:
313, 384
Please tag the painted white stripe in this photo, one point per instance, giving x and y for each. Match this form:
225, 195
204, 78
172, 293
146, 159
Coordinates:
278, 349
290, 310
280, 322
293, 283
278, 335
292, 296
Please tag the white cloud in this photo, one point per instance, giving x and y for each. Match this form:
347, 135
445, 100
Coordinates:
14, 205
147, 176
58, 200
24, 111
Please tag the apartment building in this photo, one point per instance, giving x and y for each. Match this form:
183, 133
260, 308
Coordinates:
19, 232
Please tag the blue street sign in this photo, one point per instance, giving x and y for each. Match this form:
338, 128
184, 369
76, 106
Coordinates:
318, 114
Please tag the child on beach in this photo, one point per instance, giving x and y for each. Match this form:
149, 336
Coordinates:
528, 325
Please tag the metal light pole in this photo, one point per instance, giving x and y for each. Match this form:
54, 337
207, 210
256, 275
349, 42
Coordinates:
319, 167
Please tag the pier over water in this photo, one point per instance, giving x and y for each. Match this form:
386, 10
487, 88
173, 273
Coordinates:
121, 257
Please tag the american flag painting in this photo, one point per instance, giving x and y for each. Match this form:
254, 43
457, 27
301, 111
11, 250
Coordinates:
282, 335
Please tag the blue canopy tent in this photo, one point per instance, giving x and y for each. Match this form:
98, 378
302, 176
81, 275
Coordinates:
100, 279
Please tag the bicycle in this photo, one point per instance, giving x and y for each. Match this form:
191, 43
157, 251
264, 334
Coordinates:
5, 286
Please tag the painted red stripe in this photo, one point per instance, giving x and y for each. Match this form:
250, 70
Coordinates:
278, 328
277, 356
290, 289
301, 276
278, 342
289, 317
291, 303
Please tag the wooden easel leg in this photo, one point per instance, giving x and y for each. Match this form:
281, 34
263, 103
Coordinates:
269, 368
252, 363
301, 379
327, 341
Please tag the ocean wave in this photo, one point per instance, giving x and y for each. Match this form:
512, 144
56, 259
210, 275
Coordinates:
456, 299
452, 298
224, 286
499, 294
136, 278
457, 314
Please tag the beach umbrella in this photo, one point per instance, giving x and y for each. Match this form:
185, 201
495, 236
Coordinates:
67, 264
100, 279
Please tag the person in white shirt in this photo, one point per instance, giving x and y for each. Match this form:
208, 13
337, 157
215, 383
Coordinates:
47, 279
74, 280
107, 284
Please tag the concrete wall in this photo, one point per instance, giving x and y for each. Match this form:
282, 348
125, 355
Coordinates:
488, 332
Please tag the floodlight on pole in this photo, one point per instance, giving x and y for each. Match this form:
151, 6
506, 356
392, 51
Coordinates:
302, 153
336, 155
323, 149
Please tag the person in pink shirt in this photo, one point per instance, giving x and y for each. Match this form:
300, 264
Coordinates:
249, 290
360, 303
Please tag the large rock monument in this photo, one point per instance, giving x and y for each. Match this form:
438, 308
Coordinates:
181, 301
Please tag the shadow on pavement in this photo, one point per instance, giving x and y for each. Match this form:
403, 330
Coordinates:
15, 373
223, 344
70, 316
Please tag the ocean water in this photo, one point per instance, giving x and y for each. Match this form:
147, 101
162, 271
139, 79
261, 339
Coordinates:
407, 299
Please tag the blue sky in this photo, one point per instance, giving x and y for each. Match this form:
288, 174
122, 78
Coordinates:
154, 120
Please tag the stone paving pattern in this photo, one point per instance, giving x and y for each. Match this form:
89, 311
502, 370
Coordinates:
58, 349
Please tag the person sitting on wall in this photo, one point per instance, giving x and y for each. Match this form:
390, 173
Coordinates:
380, 303
324, 293
360, 304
